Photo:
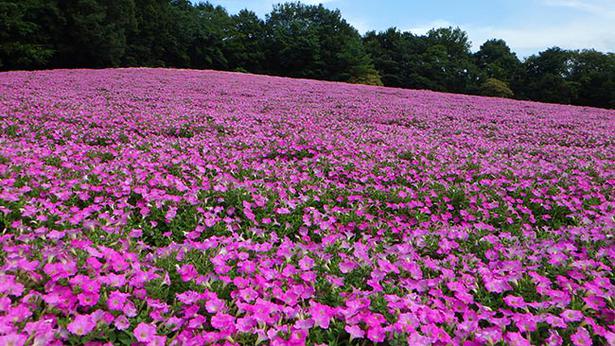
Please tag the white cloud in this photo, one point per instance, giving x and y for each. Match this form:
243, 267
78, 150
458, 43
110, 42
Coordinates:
533, 38
316, 2
598, 7
360, 24
424, 28
595, 32
592, 26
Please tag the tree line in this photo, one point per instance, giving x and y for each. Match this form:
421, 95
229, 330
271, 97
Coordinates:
295, 40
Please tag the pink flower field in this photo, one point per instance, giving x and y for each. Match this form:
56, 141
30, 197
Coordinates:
179, 207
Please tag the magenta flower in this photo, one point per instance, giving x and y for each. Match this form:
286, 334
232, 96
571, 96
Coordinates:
554, 339
581, 337
145, 332
223, 322
214, 305
116, 300
187, 272
572, 315
13, 339
376, 334
355, 332
88, 299
306, 263
121, 322
496, 285
516, 339
81, 325
321, 314
515, 302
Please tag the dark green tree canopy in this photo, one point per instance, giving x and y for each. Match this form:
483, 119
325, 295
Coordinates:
27, 33
496, 60
315, 42
245, 45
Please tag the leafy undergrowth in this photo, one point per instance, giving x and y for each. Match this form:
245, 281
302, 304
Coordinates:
176, 209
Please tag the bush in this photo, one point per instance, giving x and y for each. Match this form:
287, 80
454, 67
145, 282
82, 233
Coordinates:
495, 87
370, 77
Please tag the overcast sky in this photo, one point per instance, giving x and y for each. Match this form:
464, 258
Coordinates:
528, 26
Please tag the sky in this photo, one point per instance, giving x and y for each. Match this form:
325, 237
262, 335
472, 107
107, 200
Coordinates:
528, 26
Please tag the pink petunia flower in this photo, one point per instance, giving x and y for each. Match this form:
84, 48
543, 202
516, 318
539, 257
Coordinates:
121, 323
321, 314
376, 334
145, 332
355, 331
306, 263
572, 315
116, 300
13, 339
581, 337
81, 325
516, 339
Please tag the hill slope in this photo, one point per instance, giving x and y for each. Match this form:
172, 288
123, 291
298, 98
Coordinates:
200, 206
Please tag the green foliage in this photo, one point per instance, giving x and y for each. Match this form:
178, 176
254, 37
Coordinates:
544, 77
495, 60
593, 73
441, 60
449, 60
246, 53
24, 35
390, 51
93, 33
495, 87
314, 42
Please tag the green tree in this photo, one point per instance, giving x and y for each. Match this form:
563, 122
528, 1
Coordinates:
394, 53
440, 60
593, 73
449, 62
314, 42
496, 60
545, 77
246, 49
163, 34
93, 32
208, 48
27, 29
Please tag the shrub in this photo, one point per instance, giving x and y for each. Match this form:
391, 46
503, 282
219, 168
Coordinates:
497, 88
